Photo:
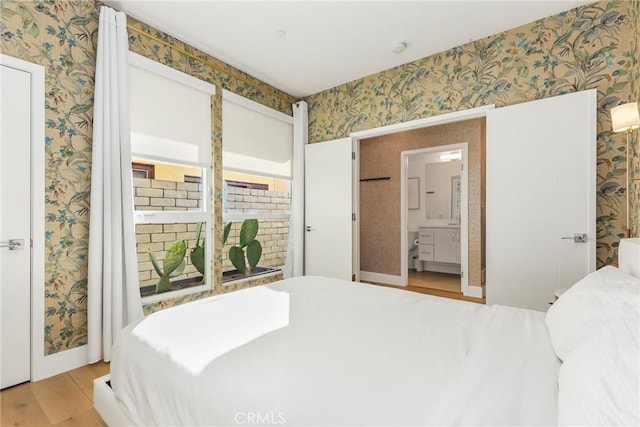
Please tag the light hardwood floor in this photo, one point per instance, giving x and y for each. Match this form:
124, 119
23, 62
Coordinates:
62, 400
437, 284
434, 280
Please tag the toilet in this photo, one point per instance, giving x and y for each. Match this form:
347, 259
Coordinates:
412, 237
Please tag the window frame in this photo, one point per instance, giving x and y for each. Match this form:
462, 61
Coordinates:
206, 213
237, 217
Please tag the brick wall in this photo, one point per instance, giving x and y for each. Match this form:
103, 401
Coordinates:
272, 234
158, 195
157, 238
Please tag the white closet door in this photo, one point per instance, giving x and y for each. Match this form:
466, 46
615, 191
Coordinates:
15, 226
328, 197
541, 165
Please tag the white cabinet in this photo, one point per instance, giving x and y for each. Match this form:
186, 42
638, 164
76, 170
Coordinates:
447, 245
439, 245
425, 244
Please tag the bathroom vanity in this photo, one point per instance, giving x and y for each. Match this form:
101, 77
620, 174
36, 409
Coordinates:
439, 247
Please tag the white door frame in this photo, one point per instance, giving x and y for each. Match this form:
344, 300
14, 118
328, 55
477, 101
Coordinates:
464, 210
41, 366
441, 119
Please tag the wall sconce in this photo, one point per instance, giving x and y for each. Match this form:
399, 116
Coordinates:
626, 118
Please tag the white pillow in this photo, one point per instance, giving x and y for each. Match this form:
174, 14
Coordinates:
603, 295
599, 382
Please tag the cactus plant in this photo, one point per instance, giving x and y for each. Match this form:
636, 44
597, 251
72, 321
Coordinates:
248, 233
197, 253
173, 265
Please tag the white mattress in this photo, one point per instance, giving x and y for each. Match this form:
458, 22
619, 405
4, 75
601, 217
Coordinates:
318, 351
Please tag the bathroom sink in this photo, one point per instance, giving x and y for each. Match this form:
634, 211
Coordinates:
441, 223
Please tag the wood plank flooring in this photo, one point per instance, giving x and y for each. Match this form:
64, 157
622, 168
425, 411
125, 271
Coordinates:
63, 400
437, 284
434, 280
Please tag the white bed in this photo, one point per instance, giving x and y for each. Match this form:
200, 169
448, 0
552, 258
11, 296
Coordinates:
318, 351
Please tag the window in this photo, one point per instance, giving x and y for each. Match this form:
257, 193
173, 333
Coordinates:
171, 136
143, 170
257, 163
242, 184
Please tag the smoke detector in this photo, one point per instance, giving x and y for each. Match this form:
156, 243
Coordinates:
398, 47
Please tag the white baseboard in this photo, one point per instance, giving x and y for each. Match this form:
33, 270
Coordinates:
440, 267
54, 364
382, 278
474, 291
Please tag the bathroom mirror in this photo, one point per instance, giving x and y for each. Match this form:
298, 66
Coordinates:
413, 193
442, 190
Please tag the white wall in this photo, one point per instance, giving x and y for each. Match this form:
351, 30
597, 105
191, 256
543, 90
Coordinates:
442, 186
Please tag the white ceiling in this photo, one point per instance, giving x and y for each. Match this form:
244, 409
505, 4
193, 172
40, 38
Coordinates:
328, 43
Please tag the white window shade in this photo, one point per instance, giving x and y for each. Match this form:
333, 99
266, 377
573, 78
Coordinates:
255, 139
170, 113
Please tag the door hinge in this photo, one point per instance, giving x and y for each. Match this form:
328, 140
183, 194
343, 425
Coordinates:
353, 155
353, 217
461, 166
461, 274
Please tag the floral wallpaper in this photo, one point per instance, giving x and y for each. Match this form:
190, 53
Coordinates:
634, 192
587, 47
584, 48
61, 36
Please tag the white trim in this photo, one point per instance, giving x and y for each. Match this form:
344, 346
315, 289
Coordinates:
382, 278
456, 116
593, 158
58, 363
255, 106
254, 277
170, 217
295, 245
233, 216
355, 210
474, 291
258, 173
41, 366
464, 211
170, 73
177, 293
161, 159
442, 267
107, 404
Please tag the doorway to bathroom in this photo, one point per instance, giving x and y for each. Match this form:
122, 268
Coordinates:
435, 217
380, 202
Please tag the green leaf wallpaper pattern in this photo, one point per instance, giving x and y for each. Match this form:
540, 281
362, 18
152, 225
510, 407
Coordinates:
586, 47
594, 46
61, 36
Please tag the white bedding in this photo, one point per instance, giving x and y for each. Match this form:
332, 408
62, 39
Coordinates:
318, 351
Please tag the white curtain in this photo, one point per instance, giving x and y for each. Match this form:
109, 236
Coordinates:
294, 265
113, 293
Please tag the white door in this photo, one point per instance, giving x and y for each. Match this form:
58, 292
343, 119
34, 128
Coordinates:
327, 209
541, 163
15, 226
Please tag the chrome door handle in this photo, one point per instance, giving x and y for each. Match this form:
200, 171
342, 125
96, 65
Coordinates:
577, 238
13, 244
